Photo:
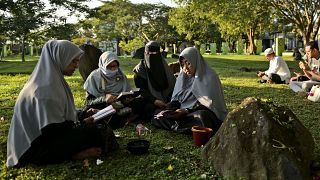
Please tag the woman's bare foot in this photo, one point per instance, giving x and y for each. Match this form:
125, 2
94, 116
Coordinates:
91, 152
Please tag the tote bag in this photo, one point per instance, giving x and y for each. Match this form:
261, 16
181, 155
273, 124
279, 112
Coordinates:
314, 94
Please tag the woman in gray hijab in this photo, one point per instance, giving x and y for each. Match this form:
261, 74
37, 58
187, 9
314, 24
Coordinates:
104, 85
154, 78
197, 99
43, 127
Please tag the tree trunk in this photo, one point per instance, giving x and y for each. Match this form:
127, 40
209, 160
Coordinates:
22, 51
316, 29
252, 46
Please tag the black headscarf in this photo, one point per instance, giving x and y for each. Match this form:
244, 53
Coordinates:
155, 67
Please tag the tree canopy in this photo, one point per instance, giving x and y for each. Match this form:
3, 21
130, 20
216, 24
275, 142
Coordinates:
193, 24
303, 14
124, 20
21, 18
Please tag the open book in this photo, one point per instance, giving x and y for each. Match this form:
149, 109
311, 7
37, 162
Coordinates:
133, 93
103, 113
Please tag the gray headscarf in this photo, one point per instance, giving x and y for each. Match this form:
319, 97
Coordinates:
156, 71
101, 82
45, 99
206, 86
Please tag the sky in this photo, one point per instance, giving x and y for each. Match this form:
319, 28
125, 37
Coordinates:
96, 3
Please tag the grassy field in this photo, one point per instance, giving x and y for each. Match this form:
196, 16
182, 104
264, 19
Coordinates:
185, 158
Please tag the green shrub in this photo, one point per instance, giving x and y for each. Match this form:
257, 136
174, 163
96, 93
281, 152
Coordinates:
132, 44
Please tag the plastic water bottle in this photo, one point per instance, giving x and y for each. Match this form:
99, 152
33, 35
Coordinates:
142, 130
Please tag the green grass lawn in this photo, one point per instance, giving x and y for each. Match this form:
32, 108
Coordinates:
185, 158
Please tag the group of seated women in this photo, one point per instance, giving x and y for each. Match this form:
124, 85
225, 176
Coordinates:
47, 128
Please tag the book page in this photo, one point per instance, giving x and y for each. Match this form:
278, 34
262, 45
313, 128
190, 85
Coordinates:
103, 113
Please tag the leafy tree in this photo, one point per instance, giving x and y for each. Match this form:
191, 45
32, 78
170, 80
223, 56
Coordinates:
234, 17
21, 18
25, 16
132, 44
303, 14
62, 31
157, 25
125, 21
196, 26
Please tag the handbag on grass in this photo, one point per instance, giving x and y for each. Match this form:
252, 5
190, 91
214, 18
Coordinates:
314, 94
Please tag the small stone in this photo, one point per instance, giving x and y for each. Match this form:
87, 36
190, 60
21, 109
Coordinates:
203, 176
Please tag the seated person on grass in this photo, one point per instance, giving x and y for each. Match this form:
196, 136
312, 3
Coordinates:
278, 71
310, 69
45, 128
197, 99
299, 76
104, 85
155, 80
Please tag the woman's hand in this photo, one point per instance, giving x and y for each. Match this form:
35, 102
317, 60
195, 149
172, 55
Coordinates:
297, 74
179, 113
88, 121
160, 104
110, 98
91, 112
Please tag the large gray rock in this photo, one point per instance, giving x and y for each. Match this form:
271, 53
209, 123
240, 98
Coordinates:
259, 140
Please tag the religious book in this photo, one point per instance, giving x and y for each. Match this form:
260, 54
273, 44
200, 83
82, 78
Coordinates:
109, 110
132, 93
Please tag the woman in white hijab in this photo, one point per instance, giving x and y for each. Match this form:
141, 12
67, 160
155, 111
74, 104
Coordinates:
197, 98
42, 129
104, 85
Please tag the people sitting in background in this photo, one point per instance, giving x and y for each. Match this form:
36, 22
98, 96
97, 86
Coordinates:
278, 71
154, 78
44, 126
310, 69
197, 99
297, 55
104, 85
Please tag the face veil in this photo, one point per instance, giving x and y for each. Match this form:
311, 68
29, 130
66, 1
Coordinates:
155, 67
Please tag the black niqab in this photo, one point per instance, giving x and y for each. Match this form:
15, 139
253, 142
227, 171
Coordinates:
155, 67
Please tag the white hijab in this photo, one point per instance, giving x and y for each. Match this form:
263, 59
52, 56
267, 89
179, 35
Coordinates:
45, 99
100, 82
206, 86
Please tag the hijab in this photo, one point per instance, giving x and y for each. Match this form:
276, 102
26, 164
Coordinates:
45, 99
155, 69
102, 80
205, 85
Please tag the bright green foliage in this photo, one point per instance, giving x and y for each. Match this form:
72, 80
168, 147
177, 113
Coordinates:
195, 25
132, 44
225, 48
259, 46
213, 48
279, 46
240, 46
20, 20
235, 17
124, 20
203, 48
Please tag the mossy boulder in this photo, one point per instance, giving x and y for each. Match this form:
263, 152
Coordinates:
260, 140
